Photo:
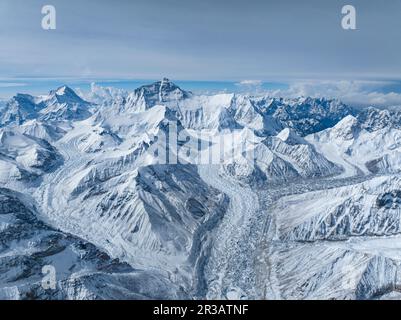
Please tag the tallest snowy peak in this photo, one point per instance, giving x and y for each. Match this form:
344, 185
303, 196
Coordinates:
165, 86
163, 92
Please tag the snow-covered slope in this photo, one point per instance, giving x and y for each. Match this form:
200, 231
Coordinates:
58, 105
82, 270
207, 113
301, 200
134, 207
63, 104
20, 108
41, 130
163, 92
280, 158
338, 243
24, 157
369, 143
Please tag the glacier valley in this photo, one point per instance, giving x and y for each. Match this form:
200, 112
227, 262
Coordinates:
304, 202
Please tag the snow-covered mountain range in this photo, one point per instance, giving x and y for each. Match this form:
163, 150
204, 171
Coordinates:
303, 201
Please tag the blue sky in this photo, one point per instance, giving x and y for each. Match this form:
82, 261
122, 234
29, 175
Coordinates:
200, 40
280, 41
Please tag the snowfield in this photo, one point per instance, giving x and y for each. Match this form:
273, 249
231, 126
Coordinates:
304, 201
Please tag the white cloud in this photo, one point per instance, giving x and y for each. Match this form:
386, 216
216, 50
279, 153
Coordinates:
11, 84
361, 93
250, 83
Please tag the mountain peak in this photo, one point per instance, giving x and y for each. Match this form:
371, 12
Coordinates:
63, 95
64, 91
160, 92
289, 136
63, 104
346, 129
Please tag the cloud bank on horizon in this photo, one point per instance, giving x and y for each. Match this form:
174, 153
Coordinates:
357, 93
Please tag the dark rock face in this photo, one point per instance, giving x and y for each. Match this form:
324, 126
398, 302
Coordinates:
307, 116
159, 92
373, 119
389, 200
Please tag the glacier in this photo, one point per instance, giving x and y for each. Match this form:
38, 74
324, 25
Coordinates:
304, 201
